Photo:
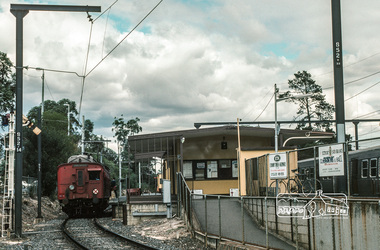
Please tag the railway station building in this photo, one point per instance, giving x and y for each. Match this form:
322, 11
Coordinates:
209, 158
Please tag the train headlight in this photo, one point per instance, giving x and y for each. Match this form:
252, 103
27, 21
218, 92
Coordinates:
95, 191
71, 187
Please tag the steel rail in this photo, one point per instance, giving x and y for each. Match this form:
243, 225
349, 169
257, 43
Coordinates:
130, 240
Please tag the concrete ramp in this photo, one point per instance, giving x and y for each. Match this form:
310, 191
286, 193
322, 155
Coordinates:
232, 222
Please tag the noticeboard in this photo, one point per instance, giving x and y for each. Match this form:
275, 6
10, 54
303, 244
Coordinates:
278, 166
331, 160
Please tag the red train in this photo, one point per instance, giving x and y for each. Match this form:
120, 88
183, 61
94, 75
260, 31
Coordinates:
83, 186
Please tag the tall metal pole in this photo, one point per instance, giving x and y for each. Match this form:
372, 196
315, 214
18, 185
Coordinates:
83, 135
239, 155
119, 146
338, 70
275, 120
20, 11
68, 118
39, 165
19, 14
275, 129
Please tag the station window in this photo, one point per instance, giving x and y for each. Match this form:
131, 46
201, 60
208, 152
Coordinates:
210, 169
364, 167
200, 168
225, 169
188, 169
373, 167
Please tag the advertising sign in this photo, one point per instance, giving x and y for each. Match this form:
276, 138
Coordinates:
278, 166
331, 161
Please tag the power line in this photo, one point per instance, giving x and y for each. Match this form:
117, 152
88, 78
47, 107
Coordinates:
264, 108
361, 92
117, 45
256, 105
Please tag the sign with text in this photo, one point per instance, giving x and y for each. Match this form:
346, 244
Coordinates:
331, 160
278, 166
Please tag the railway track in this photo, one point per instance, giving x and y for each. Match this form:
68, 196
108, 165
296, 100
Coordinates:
89, 234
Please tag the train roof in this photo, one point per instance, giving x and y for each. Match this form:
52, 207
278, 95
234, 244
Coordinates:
80, 158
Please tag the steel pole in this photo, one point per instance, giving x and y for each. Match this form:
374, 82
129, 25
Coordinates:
338, 70
39, 165
19, 14
275, 130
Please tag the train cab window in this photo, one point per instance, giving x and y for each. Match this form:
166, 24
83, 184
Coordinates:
94, 175
80, 178
364, 167
373, 170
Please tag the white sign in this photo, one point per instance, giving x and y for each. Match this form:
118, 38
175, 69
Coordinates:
331, 160
278, 166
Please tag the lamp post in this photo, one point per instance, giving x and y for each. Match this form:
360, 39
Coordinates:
276, 126
182, 141
68, 118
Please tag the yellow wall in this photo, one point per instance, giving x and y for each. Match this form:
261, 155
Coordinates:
245, 155
213, 186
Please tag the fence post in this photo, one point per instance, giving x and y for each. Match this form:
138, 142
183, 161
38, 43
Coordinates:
179, 183
242, 218
220, 219
206, 236
266, 222
296, 222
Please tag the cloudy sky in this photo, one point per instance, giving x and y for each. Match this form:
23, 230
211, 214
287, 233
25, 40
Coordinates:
196, 60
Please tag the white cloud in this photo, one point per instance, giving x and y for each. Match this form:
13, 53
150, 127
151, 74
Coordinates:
193, 61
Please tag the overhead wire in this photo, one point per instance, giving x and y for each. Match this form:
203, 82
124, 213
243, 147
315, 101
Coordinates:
251, 110
122, 40
117, 45
361, 92
266, 106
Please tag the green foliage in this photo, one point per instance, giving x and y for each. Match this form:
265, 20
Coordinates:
56, 149
7, 89
7, 84
122, 130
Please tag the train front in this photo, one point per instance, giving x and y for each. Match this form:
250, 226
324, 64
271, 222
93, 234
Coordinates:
83, 186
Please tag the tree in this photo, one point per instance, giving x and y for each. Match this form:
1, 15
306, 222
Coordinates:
7, 89
7, 84
310, 108
122, 130
57, 147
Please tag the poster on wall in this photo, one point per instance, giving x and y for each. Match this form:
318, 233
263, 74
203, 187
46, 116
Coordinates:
235, 171
278, 166
188, 169
331, 160
212, 169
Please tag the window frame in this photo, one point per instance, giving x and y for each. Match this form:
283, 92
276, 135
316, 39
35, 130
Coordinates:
362, 168
196, 172
373, 167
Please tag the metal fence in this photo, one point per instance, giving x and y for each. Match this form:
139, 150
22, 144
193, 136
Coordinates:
331, 218
307, 169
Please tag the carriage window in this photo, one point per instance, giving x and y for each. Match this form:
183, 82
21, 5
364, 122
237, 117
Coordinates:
94, 175
373, 167
364, 168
